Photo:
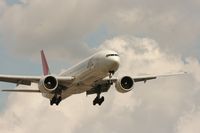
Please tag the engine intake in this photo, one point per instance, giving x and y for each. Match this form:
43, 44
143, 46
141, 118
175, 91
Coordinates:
48, 84
124, 84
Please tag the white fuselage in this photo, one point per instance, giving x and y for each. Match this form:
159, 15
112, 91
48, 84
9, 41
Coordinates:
87, 72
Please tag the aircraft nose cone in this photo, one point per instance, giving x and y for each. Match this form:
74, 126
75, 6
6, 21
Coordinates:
115, 62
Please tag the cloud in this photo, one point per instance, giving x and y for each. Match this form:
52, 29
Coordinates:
63, 25
142, 52
32, 113
189, 123
54, 26
167, 22
168, 98
168, 41
2, 6
157, 106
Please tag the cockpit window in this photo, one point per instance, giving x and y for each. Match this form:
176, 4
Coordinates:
108, 55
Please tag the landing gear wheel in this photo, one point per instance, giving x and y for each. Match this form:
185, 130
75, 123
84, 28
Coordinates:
58, 100
111, 73
98, 100
94, 103
55, 100
101, 100
51, 102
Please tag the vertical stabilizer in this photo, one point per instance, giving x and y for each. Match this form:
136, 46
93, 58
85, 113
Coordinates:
45, 65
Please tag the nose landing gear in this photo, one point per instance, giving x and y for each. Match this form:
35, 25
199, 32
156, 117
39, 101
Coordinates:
111, 73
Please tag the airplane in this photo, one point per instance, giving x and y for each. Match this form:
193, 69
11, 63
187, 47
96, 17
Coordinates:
93, 75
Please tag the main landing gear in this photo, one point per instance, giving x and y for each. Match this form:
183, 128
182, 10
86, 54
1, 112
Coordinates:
98, 100
111, 73
56, 100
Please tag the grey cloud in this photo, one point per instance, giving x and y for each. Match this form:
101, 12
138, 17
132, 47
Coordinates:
2, 6
62, 26
189, 123
54, 26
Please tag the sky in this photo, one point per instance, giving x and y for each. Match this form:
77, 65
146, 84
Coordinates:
151, 37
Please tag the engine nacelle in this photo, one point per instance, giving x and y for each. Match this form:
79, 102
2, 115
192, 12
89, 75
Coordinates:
124, 84
48, 84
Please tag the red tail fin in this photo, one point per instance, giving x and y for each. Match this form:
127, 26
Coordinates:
45, 65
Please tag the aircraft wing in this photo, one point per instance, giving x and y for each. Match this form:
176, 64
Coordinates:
27, 80
105, 83
150, 77
143, 78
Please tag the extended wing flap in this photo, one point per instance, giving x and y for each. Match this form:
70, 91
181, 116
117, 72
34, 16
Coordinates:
26, 91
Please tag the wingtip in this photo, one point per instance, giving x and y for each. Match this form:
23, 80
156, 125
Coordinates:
183, 72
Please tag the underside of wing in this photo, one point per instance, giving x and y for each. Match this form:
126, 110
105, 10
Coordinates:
27, 80
143, 78
104, 85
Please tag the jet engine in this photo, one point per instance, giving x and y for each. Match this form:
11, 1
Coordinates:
124, 84
48, 84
